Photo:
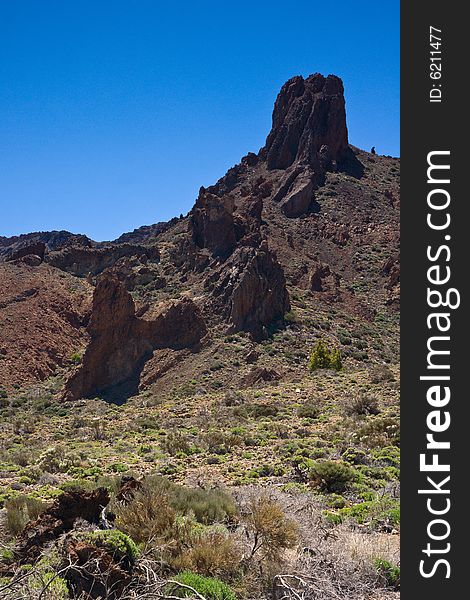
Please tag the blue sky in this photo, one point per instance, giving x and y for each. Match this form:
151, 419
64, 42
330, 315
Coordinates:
115, 112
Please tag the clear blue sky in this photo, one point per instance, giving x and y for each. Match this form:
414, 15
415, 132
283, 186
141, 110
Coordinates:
115, 112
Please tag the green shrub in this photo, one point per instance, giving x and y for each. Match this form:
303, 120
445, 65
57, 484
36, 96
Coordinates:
208, 506
388, 573
256, 410
331, 476
308, 411
76, 358
120, 545
152, 512
148, 517
176, 442
389, 455
336, 501
218, 442
209, 587
379, 432
354, 456
380, 514
324, 358
50, 586
291, 318
57, 460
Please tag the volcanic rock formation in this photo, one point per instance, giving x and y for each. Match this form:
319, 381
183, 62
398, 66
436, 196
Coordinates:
250, 290
121, 343
309, 124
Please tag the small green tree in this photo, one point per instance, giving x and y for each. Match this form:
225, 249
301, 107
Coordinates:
336, 362
324, 358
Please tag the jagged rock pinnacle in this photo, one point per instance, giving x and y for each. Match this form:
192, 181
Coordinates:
309, 124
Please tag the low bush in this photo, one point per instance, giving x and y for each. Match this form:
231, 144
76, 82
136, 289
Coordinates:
176, 442
331, 476
361, 406
381, 514
212, 554
380, 432
308, 411
148, 518
389, 574
381, 374
208, 506
208, 587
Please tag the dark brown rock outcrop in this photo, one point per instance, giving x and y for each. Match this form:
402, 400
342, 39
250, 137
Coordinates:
59, 519
96, 572
121, 343
35, 248
250, 289
309, 124
323, 279
212, 224
81, 260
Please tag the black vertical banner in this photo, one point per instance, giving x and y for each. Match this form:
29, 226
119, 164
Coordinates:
435, 333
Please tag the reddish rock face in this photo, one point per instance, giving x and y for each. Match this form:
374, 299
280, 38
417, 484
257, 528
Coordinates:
319, 224
121, 343
309, 124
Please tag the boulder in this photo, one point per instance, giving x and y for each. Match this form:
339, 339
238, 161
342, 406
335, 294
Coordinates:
300, 198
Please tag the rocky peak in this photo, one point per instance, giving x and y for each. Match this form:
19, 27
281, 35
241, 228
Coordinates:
309, 124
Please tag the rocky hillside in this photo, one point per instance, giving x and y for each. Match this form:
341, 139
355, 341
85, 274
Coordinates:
209, 407
309, 225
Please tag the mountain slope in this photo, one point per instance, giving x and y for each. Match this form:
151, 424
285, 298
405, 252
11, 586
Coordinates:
309, 221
